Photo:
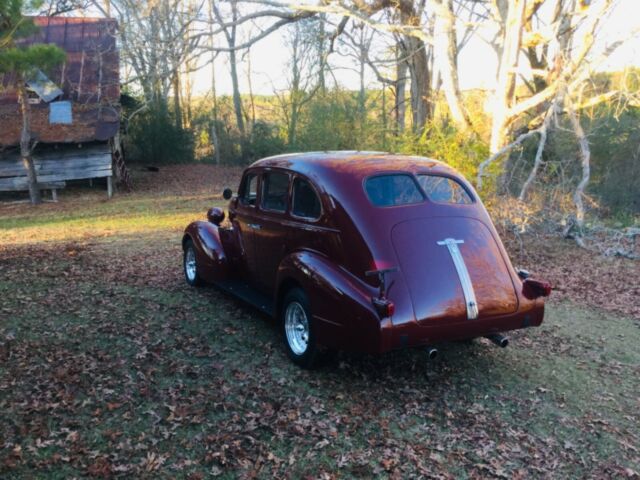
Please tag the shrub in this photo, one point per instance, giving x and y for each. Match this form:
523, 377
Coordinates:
264, 141
441, 141
152, 137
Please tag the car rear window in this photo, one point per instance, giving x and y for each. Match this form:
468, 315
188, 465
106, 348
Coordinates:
391, 190
444, 190
275, 189
305, 200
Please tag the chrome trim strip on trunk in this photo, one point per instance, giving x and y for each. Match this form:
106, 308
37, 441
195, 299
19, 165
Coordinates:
463, 275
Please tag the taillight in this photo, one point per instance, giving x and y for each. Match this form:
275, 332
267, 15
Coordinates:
385, 308
535, 288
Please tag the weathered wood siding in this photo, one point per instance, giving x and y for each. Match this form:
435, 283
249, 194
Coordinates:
57, 165
89, 79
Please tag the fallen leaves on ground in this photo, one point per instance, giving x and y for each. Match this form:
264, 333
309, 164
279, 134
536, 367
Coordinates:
110, 366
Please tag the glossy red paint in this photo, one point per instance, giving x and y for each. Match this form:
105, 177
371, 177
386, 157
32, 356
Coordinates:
329, 256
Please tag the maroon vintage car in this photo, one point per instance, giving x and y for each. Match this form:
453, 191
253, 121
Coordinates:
363, 251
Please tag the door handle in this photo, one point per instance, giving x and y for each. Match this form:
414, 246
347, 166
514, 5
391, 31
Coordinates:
254, 226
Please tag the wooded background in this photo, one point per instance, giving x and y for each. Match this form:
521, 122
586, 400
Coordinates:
557, 133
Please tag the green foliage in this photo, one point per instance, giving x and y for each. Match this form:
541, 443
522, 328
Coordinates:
614, 139
12, 22
26, 60
264, 141
328, 123
615, 149
441, 141
332, 120
154, 138
23, 60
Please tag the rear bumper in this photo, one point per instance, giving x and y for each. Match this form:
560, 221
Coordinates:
415, 334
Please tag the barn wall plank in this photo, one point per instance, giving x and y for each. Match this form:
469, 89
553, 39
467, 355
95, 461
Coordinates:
19, 187
15, 182
57, 165
16, 169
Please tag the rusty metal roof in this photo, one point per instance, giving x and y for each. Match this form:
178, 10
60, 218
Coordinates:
89, 78
44, 87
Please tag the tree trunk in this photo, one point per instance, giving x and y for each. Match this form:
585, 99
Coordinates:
237, 99
293, 126
214, 124
585, 154
177, 110
506, 85
25, 143
321, 54
251, 96
384, 116
187, 115
537, 162
421, 108
446, 53
401, 82
362, 93
414, 51
295, 94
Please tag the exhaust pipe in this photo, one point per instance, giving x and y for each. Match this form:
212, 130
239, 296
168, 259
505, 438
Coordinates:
498, 339
432, 353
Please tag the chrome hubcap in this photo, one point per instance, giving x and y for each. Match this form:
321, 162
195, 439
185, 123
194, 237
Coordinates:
190, 264
296, 327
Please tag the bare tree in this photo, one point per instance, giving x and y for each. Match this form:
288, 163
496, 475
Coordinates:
230, 34
303, 81
446, 58
357, 45
214, 97
155, 41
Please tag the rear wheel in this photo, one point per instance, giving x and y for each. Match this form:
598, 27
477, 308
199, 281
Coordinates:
298, 328
191, 273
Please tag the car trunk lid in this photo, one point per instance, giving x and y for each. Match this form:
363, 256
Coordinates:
454, 269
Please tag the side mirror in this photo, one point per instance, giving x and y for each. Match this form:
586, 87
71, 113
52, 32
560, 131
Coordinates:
227, 194
215, 215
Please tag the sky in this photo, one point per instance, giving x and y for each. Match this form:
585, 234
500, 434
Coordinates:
477, 60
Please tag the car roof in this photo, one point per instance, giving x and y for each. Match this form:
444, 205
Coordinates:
323, 165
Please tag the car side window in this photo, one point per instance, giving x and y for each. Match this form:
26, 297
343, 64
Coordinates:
306, 203
275, 190
250, 190
444, 190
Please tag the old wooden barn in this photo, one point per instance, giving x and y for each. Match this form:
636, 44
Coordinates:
75, 108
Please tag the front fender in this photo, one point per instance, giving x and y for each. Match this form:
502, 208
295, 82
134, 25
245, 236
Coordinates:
213, 263
341, 303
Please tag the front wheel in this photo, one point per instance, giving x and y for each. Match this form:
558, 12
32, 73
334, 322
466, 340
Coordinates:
298, 329
191, 273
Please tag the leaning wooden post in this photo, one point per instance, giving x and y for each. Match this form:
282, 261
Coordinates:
26, 149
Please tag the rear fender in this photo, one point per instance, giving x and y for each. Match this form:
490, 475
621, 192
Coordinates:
341, 304
210, 254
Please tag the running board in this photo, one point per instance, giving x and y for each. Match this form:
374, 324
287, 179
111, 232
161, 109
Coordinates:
248, 294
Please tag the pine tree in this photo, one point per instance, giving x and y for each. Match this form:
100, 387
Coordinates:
23, 61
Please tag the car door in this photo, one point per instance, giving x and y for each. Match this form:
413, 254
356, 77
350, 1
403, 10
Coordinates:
244, 220
271, 231
310, 227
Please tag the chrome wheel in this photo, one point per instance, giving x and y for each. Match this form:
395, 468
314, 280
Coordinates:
190, 264
296, 327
